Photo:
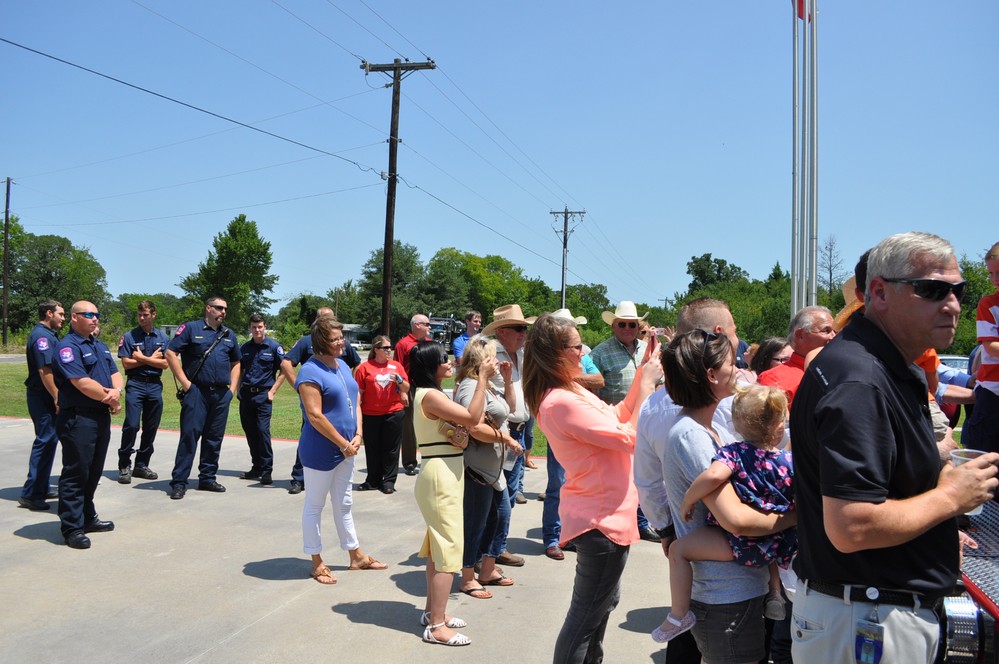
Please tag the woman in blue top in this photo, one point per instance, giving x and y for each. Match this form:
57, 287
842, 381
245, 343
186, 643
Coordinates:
331, 437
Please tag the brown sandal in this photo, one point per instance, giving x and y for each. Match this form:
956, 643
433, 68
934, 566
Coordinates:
324, 575
370, 563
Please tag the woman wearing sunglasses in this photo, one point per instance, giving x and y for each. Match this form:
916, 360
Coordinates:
595, 443
384, 395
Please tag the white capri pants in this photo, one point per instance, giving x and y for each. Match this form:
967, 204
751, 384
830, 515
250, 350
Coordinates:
336, 484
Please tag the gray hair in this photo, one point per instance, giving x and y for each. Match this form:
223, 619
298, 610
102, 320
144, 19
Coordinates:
413, 321
805, 320
899, 256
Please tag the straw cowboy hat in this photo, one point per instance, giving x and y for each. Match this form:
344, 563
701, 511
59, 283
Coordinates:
851, 306
626, 310
508, 314
562, 313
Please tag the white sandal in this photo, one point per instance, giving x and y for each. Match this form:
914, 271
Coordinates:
452, 622
456, 640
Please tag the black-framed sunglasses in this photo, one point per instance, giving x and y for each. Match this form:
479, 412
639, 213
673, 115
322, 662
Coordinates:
934, 290
384, 347
623, 324
217, 307
90, 315
516, 328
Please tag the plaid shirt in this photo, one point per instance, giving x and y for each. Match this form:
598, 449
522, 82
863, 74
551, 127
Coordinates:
618, 366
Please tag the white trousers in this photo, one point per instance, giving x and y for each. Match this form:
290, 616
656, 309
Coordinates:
336, 484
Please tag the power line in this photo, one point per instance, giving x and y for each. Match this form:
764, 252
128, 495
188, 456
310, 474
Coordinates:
359, 166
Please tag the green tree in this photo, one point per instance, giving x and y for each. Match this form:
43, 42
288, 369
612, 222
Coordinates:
831, 275
294, 318
977, 276
443, 285
407, 275
705, 271
346, 302
237, 269
49, 267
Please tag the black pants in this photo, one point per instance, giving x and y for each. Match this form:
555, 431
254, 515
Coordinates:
143, 402
84, 435
382, 438
255, 417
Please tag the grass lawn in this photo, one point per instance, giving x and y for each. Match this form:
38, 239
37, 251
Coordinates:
286, 418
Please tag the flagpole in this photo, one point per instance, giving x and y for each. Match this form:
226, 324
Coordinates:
814, 153
795, 173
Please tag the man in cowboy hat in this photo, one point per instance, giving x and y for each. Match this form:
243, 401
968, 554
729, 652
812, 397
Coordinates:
618, 357
510, 329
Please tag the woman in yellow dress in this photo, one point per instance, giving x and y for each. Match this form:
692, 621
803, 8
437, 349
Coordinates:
440, 485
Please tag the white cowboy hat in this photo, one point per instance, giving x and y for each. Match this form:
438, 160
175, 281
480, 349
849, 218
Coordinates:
625, 310
508, 314
562, 313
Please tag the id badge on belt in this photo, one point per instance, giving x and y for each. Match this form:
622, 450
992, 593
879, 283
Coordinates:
870, 642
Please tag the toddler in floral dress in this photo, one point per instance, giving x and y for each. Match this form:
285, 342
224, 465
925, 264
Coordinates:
762, 476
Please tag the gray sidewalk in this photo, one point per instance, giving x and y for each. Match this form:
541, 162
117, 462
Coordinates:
222, 577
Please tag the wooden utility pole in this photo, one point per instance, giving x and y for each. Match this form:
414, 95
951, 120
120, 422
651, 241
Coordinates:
564, 234
398, 68
6, 259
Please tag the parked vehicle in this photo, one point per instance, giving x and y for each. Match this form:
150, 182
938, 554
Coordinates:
443, 330
959, 362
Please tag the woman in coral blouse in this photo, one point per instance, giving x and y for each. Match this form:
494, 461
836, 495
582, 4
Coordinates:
384, 393
595, 443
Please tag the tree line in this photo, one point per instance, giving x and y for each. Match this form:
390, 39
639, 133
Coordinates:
238, 268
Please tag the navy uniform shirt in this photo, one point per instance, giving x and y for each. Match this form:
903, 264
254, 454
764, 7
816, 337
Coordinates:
191, 342
82, 357
149, 344
41, 352
260, 363
302, 351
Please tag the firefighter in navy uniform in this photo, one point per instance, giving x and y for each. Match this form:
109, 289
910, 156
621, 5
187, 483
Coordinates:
204, 357
259, 365
89, 393
142, 352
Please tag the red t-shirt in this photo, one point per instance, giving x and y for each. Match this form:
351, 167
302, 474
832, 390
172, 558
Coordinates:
379, 392
402, 348
785, 376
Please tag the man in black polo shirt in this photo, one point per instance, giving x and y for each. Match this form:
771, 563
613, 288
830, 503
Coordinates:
876, 513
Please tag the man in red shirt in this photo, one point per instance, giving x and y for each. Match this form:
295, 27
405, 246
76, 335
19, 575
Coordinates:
811, 328
419, 329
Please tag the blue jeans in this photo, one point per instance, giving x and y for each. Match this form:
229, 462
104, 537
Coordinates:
595, 592
498, 522
41, 408
515, 476
551, 524
481, 506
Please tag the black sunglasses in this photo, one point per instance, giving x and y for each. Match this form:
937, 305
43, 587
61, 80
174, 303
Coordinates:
516, 328
217, 307
621, 324
934, 290
384, 347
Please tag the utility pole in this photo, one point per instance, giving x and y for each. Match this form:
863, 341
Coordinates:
6, 259
565, 239
398, 68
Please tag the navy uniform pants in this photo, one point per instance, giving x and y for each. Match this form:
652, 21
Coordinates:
203, 416
85, 434
42, 410
255, 416
143, 402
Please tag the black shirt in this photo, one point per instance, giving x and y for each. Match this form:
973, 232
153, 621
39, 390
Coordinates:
861, 431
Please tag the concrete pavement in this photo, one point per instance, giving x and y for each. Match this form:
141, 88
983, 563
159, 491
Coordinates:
222, 577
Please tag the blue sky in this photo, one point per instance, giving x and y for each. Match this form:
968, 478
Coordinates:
668, 122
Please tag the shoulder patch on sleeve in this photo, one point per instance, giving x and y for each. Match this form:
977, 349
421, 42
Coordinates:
280, 349
121, 342
180, 329
66, 355
42, 344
